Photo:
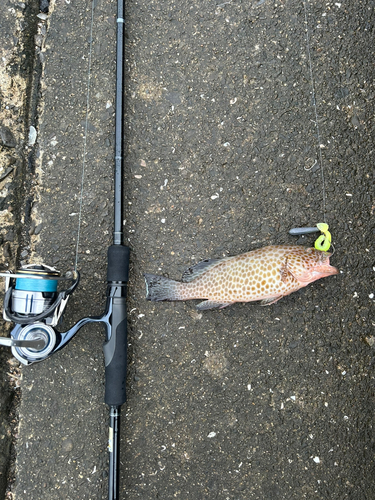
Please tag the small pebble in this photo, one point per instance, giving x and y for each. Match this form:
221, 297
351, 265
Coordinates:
6, 173
67, 445
32, 136
38, 40
38, 228
44, 5
7, 137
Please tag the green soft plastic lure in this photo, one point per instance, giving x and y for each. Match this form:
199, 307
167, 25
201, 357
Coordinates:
323, 243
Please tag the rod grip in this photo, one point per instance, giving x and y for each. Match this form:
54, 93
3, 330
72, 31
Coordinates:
115, 348
118, 263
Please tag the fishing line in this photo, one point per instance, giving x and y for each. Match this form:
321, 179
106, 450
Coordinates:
323, 243
85, 138
315, 110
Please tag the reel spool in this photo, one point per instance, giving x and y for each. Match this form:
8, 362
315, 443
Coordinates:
32, 296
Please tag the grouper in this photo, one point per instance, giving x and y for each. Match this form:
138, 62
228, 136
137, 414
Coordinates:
266, 274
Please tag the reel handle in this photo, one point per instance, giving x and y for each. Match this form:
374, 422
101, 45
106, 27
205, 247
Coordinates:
37, 343
115, 347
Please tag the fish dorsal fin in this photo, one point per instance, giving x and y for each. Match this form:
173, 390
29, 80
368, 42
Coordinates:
202, 267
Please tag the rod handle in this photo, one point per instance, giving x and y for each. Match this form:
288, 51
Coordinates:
118, 263
115, 348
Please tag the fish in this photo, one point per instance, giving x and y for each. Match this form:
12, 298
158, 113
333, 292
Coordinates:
266, 274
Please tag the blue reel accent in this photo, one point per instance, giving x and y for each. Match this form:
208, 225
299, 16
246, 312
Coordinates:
36, 285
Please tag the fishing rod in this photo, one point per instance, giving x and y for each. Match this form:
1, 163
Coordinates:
35, 297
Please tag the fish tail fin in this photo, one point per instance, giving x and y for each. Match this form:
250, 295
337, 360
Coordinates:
160, 288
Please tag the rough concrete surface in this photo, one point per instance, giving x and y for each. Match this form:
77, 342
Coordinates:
222, 156
17, 69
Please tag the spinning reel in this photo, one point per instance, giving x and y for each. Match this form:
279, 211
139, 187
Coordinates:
32, 301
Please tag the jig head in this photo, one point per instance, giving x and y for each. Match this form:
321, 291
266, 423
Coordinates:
322, 243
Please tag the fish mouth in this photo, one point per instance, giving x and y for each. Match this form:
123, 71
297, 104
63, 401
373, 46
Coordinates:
327, 270
324, 267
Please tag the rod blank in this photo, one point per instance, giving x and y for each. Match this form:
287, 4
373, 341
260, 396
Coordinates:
117, 233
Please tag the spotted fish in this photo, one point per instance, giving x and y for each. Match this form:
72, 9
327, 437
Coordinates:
266, 274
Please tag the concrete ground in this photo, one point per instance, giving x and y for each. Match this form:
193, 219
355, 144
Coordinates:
222, 157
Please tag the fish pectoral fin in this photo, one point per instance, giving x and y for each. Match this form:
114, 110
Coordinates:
211, 304
271, 300
304, 277
285, 273
301, 275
